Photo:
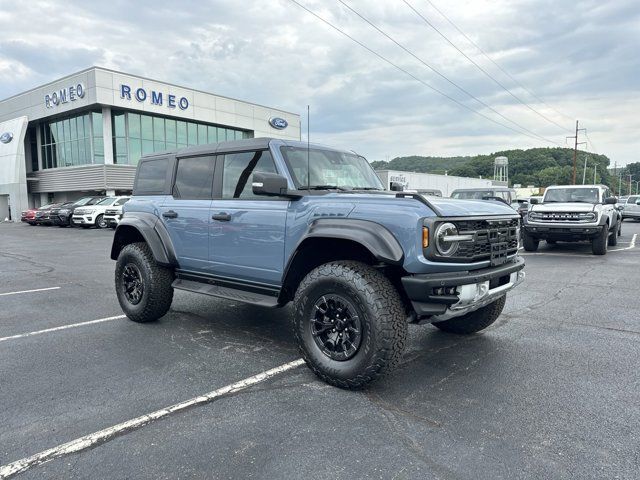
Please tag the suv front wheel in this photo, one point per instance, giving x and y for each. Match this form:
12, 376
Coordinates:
143, 287
349, 323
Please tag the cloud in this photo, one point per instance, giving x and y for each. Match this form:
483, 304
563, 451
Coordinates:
580, 61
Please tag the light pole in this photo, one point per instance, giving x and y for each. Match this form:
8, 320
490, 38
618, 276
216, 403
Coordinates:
584, 170
595, 171
636, 182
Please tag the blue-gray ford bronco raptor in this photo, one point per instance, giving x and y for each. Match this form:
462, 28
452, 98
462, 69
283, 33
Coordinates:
268, 222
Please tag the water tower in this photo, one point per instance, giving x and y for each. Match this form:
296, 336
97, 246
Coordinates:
501, 169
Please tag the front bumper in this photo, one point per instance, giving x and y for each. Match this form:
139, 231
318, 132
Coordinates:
563, 232
112, 220
441, 296
83, 220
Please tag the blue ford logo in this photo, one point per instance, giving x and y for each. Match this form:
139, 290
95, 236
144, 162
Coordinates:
6, 137
278, 123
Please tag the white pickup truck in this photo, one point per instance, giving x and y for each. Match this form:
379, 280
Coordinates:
573, 213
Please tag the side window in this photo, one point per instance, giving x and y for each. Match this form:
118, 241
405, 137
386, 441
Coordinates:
194, 178
151, 176
122, 201
238, 170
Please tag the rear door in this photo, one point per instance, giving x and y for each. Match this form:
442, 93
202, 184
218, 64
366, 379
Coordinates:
246, 237
185, 212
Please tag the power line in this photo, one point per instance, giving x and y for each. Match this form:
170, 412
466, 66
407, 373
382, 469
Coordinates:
495, 63
496, 81
436, 71
406, 72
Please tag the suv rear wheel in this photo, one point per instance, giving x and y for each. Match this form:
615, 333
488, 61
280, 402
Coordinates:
349, 323
474, 321
143, 287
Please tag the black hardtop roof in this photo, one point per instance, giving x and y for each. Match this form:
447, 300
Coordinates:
260, 143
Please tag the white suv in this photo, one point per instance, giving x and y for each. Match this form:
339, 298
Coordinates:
113, 214
93, 215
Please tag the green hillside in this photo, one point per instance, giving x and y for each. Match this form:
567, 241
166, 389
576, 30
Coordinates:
536, 166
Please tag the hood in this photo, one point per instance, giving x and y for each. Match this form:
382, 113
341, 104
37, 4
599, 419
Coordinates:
563, 207
453, 207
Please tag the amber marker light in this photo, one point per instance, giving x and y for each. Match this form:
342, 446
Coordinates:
425, 237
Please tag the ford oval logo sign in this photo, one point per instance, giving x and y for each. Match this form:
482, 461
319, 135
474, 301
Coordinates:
6, 137
278, 123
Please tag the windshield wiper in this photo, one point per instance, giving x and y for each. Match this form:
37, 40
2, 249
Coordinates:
368, 188
324, 187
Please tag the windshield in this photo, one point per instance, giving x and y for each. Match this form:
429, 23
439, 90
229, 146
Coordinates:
106, 201
82, 201
571, 195
329, 169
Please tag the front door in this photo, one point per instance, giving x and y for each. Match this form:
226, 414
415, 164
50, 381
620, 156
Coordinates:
247, 232
186, 213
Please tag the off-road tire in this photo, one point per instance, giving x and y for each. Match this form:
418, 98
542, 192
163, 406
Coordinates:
473, 322
381, 313
157, 290
613, 236
599, 243
530, 244
100, 222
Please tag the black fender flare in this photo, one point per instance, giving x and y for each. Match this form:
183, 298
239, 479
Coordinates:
152, 231
374, 237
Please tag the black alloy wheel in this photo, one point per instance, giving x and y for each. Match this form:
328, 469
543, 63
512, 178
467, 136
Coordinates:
336, 327
132, 285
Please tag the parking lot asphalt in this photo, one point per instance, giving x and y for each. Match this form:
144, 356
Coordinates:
549, 391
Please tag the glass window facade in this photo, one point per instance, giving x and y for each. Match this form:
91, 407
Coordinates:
71, 141
137, 134
78, 140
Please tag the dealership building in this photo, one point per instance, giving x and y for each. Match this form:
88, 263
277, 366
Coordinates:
84, 134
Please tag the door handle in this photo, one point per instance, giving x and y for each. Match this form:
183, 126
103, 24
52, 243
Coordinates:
170, 214
221, 217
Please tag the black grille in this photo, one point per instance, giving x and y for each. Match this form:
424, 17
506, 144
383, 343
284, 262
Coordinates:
486, 233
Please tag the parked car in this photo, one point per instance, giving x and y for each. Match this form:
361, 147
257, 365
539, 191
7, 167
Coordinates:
631, 208
501, 194
62, 215
573, 213
29, 216
93, 215
113, 214
43, 214
282, 221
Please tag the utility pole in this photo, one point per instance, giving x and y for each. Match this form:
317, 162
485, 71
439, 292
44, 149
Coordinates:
620, 184
630, 183
575, 149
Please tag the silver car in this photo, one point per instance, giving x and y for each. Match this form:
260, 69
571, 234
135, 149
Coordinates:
632, 208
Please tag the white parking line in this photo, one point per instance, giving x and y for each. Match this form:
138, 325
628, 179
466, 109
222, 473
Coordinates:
63, 327
107, 434
631, 245
29, 291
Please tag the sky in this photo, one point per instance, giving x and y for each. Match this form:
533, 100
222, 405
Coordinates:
564, 61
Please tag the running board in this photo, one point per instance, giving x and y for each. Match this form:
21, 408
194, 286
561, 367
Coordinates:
226, 292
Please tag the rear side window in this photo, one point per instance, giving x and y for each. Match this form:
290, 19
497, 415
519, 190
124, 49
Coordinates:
151, 177
238, 170
122, 201
632, 199
194, 178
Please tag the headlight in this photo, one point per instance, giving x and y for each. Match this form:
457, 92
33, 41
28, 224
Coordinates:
445, 237
64, 211
588, 217
87, 212
534, 217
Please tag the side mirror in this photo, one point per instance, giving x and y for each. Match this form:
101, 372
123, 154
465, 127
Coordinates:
610, 201
638, 202
396, 187
269, 184
533, 201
